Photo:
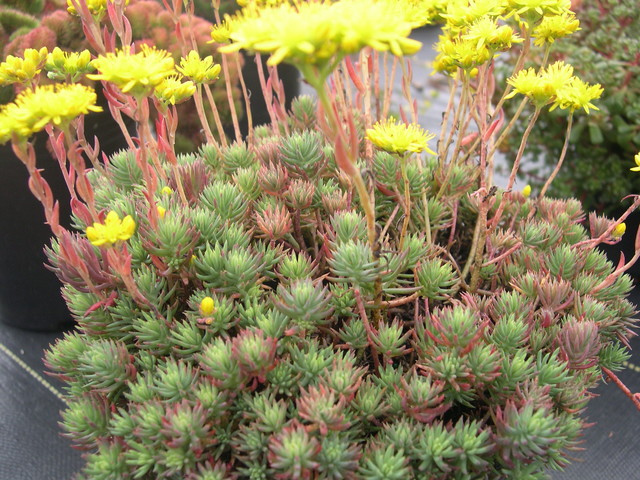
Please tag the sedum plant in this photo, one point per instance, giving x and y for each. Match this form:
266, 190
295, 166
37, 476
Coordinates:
341, 294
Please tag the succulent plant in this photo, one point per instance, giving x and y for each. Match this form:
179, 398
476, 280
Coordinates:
298, 305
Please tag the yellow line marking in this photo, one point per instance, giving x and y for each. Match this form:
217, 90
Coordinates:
631, 366
33, 373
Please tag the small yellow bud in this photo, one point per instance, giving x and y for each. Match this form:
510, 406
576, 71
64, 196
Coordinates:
526, 191
166, 191
619, 230
207, 306
161, 211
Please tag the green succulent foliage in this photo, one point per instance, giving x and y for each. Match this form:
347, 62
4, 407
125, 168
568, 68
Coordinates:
227, 353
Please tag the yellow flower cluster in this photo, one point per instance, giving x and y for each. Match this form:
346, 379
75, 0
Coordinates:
317, 33
113, 230
400, 138
96, 7
135, 73
199, 70
460, 14
555, 26
637, 160
533, 10
221, 32
173, 90
473, 34
57, 104
555, 85
22, 69
61, 65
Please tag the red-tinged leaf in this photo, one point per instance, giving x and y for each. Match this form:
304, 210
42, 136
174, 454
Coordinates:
354, 75
403, 115
384, 190
637, 242
353, 137
107, 302
54, 220
81, 211
342, 159
495, 125
469, 138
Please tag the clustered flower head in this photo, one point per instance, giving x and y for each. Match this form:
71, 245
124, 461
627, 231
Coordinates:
555, 26
61, 65
135, 73
473, 35
172, 90
96, 7
400, 138
56, 104
460, 14
199, 70
555, 85
22, 70
318, 32
533, 10
112, 231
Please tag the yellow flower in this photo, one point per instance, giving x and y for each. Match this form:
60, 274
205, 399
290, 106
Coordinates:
221, 32
423, 12
315, 33
112, 231
22, 69
533, 10
619, 230
454, 51
200, 70
161, 211
637, 160
166, 190
463, 13
61, 64
577, 94
172, 90
541, 87
96, 7
57, 104
487, 33
399, 138
207, 306
526, 191
555, 26
135, 73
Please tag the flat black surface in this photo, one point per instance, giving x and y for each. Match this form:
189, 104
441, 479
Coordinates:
30, 445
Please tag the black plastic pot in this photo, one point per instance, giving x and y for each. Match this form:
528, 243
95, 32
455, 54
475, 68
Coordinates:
288, 74
29, 293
